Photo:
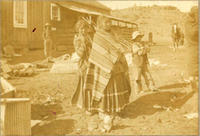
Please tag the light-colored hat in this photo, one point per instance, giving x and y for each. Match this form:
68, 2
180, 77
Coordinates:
136, 34
47, 24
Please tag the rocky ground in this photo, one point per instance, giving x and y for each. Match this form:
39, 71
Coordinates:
149, 114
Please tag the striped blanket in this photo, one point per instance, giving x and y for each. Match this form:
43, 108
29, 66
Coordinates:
103, 57
104, 53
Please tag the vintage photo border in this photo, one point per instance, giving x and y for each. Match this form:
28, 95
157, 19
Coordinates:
141, 0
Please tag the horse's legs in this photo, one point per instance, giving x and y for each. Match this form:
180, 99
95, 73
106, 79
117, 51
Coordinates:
178, 43
174, 44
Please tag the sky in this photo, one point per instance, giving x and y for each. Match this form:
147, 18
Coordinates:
183, 6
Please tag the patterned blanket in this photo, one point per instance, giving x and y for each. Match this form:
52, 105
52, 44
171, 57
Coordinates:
104, 52
103, 57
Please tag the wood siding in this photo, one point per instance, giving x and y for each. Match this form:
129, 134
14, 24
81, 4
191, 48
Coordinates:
65, 29
35, 21
6, 22
38, 13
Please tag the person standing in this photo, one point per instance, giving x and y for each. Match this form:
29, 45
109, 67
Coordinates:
47, 36
106, 75
140, 63
182, 39
176, 35
82, 44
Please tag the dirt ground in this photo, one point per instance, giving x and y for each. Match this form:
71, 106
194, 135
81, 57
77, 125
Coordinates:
140, 117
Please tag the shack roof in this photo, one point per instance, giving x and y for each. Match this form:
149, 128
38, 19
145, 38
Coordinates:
93, 3
72, 6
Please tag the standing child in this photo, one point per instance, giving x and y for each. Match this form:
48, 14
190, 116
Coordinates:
140, 63
47, 41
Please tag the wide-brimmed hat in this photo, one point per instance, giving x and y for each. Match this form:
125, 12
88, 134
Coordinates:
136, 34
47, 24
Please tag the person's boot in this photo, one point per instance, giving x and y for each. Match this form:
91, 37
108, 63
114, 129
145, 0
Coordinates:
138, 87
101, 116
107, 122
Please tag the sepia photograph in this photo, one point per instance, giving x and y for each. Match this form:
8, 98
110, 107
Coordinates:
99, 67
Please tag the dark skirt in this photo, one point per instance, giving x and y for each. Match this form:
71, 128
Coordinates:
82, 97
115, 96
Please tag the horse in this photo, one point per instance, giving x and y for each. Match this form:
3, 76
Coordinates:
176, 36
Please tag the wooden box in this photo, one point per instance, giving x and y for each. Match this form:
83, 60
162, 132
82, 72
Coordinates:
15, 117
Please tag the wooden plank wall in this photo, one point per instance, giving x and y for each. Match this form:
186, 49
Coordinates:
35, 21
6, 22
20, 37
65, 29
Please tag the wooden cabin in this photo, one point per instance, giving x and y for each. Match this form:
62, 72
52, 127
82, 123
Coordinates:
23, 21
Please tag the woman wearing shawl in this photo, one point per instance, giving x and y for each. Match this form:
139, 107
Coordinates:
106, 77
82, 44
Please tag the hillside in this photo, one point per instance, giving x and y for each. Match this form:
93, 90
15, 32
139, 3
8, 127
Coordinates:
191, 26
156, 19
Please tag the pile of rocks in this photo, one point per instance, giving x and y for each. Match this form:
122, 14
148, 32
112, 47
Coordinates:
23, 69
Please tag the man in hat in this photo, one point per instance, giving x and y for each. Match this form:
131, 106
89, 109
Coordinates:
176, 35
47, 41
140, 63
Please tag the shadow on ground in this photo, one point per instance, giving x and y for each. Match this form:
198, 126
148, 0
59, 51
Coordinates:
41, 111
117, 127
144, 104
53, 128
176, 85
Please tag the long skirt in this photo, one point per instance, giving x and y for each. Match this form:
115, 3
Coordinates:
82, 97
115, 96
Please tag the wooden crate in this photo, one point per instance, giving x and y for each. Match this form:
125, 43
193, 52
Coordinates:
15, 117
7, 90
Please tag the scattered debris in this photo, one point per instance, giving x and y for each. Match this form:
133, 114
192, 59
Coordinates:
65, 64
8, 51
157, 107
22, 69
41, 65
163, 108
35, 122
167, 108
64, 57
42, 70
191, 115
64, 67
6, 67
192, 82
153, 62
